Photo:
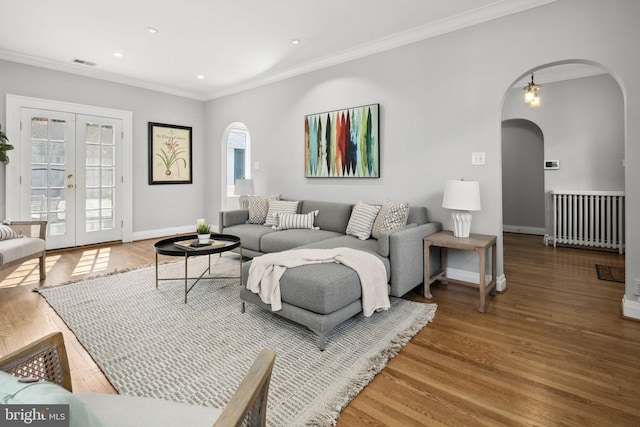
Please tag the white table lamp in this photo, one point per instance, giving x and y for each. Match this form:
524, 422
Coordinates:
462, 197
243, 188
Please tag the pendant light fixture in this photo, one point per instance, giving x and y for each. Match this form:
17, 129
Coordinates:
531, 93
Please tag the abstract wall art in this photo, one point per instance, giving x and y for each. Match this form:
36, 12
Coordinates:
343, 143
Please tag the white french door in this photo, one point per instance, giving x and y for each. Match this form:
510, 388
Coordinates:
71, 175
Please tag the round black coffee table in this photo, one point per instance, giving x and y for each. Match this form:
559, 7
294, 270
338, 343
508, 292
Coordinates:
187, 247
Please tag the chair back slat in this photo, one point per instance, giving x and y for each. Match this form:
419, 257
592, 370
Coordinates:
44, 359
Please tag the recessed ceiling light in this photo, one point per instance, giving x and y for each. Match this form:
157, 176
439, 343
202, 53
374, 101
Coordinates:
118, 54
295, 41
200, 76
152, 30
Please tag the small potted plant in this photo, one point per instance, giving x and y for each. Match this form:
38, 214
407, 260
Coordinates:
4, 147
204, 231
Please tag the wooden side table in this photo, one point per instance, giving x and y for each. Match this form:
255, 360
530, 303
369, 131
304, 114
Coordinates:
475, 242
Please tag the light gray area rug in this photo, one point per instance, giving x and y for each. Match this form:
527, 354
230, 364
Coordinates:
150, 343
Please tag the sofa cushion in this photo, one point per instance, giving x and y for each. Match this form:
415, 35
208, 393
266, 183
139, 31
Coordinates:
122, 410
277, 207
417, 215
319, 288
287, 221
258, 207
391, 215
13, 249
332, 216
361, 220
14, 392
341, 241
288, 239
250, 234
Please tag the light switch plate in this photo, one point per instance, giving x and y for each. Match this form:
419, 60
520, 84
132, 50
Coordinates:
478, 158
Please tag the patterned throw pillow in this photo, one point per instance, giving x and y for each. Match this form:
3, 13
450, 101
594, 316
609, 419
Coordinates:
361, 220
288, 221
7, 232
258, 208
391, 215
279, 207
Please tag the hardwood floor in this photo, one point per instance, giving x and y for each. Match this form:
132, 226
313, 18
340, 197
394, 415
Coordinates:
551, 350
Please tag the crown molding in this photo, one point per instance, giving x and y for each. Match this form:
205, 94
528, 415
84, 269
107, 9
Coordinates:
84, 70
477, 16
473, 17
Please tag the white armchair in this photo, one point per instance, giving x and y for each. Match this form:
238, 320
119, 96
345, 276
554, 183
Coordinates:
46, 359
31, 244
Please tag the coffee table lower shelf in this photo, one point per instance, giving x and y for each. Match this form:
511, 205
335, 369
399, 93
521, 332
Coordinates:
169, 248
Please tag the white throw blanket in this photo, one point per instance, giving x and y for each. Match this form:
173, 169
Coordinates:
266, 270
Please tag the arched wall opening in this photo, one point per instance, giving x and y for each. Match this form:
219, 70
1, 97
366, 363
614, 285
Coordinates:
582, 119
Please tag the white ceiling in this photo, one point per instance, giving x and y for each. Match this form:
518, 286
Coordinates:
234, 44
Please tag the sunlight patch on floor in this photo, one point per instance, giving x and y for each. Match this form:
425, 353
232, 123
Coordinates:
28, 273
92, 261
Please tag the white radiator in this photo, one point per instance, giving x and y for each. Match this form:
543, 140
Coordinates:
589, 218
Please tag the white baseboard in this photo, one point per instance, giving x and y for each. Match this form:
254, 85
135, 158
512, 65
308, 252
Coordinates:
167, 232
630, 309
501, 284
472, 277
523, 229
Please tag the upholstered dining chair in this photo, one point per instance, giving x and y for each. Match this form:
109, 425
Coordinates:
46, 359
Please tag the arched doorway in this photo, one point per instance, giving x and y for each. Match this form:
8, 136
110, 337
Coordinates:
523, 206
582, 117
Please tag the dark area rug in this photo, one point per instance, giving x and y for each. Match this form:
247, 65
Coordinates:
609, 273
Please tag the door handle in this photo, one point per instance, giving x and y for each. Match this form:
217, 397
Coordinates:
70, 186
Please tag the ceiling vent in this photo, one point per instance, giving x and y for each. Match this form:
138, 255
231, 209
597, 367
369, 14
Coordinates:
83, 62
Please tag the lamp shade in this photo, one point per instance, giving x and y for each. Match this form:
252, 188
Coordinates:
243, 187
461, 195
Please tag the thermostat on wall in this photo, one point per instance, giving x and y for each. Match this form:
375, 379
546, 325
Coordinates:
552, 164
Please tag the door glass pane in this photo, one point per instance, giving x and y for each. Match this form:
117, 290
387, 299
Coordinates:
93, 133
93, 155
48, 160
108, 154
100, 178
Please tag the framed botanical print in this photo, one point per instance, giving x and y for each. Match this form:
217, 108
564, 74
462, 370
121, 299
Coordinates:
169, 154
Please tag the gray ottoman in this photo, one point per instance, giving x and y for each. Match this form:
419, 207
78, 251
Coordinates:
318, 296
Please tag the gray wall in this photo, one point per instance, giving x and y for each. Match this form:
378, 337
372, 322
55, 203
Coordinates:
154, 206
441, 99
523, 207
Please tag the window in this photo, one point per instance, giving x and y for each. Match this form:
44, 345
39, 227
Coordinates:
238, 156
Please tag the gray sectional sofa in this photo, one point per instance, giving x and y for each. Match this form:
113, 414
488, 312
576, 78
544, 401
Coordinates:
321, 296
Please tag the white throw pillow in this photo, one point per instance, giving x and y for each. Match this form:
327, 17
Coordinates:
258, 208
288, 221
391, 215
361, 220
279, 207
